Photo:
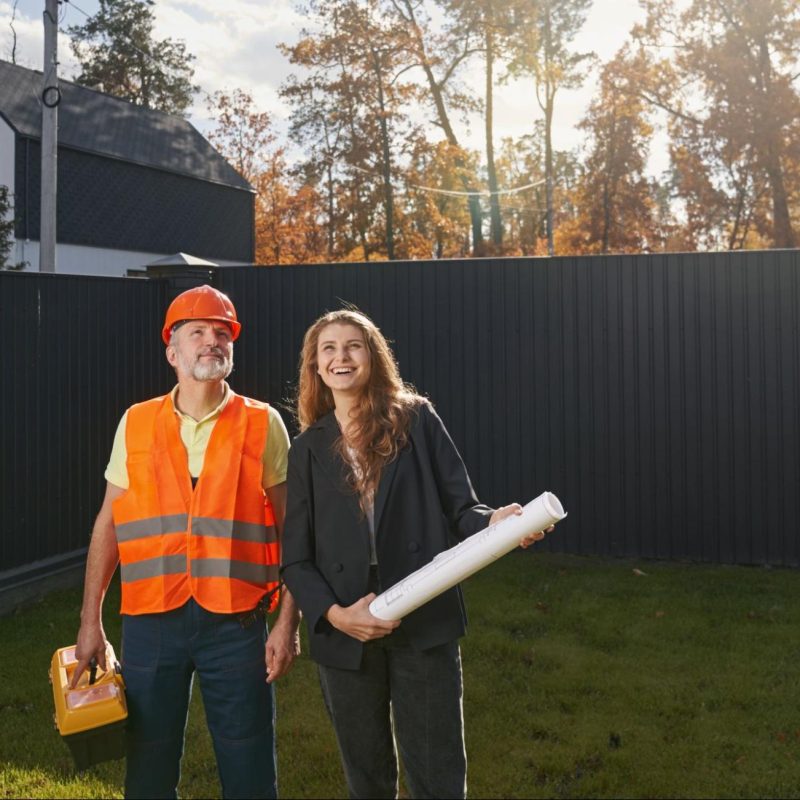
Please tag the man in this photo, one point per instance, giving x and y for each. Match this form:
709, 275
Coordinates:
193, 509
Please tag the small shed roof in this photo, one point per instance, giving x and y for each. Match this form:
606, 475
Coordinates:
182, 260
99, 123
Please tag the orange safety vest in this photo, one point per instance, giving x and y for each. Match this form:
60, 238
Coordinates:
217, 543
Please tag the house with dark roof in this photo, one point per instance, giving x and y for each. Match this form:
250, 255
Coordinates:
134, 185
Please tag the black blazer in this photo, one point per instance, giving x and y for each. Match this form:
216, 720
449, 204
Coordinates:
424, 502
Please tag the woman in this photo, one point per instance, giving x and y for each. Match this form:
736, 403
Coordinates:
376, 489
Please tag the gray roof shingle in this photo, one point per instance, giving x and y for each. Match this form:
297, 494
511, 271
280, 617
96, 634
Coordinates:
99, 123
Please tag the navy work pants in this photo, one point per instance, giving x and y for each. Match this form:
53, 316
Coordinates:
160, 654
421, 692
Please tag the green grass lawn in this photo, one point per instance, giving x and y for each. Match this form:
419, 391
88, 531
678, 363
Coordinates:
582, 679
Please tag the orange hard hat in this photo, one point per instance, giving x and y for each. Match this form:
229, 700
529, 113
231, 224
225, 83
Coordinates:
202, 302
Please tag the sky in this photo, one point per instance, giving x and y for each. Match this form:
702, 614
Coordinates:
235, 44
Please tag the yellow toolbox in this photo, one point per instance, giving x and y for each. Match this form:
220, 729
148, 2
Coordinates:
91, 717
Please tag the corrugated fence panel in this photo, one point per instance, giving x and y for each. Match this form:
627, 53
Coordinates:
658, 396
76, 352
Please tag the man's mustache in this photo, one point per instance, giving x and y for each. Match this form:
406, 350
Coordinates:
212, 351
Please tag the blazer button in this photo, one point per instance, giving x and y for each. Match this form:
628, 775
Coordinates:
338, 567
413, 547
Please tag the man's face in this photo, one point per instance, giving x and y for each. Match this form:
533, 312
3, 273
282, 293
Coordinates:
201, 349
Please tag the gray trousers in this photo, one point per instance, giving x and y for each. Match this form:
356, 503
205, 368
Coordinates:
411, 695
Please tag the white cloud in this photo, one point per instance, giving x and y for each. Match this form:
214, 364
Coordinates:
30, 37
235, 44
29, 44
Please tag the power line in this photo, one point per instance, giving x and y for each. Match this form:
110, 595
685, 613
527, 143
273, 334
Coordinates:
77, 8
449, 192
482, 193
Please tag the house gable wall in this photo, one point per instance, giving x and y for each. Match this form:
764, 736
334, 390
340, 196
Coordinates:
103, 202
6, 156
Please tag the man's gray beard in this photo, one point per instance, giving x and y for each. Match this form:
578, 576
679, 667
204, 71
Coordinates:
210, 371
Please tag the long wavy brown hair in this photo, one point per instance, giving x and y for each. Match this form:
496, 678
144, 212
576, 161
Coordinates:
382, 416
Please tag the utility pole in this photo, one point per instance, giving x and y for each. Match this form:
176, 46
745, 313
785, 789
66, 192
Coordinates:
51, 97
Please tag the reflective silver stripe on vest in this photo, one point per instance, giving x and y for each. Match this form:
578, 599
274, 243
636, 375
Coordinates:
154, 526
153, 568
231, 529
241, 570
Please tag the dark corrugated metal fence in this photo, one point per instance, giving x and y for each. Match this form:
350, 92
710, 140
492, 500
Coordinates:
75, 352
657, 396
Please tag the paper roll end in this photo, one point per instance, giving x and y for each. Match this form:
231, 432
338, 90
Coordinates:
553, 505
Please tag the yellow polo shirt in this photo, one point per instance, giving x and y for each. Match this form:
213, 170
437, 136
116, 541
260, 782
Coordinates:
195, 435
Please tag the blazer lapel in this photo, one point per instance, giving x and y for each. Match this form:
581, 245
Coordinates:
384, 485
322, 447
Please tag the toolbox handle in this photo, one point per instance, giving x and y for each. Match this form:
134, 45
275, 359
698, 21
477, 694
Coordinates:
92, 670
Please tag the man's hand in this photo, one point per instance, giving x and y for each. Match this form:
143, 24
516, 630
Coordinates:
100, 565
91, 644
356, 621
283, 646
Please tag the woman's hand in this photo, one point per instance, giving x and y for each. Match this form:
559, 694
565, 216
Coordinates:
534, 537
505, 511
356, 621
515, 508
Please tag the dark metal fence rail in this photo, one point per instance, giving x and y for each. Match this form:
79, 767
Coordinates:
658, 396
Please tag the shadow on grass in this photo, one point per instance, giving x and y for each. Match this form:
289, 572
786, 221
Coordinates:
583, 678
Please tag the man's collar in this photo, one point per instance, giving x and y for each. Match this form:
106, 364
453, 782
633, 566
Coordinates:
226, 396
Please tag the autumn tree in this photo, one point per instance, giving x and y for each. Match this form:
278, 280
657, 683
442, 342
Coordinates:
519, 164
242, 133
356, 92
117, 50
490, 24
439, 219
287, 223
545, 31
325, 120
730, 90
440, 56
722, 192
287, 220
318, 127
614, 199
521, 169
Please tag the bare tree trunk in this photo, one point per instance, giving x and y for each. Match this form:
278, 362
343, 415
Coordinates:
496, 219
548, 174
782, 232
607, 190
386, 160
331, 210
444, 121
548, 131
13, 32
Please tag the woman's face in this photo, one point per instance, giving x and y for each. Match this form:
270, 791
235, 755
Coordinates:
343, 358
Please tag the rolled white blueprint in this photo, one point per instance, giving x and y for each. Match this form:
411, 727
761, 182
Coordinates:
466, 558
